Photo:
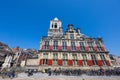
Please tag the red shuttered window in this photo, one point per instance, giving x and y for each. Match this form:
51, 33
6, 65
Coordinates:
87, 48
51, 47
59, 62
69, 48
95, 48
59, 47
70, 62
100, 62
77, 48
49, 62
108, 62
103, 49
80, 62
90, 63
40, 62
43, 47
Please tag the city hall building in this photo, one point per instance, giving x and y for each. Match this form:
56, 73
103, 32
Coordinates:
71, 49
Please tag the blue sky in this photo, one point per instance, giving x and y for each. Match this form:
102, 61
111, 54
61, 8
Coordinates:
23, 22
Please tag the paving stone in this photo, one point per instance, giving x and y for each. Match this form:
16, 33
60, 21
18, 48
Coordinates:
40, 76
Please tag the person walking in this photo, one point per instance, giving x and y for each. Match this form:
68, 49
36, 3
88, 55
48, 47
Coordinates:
12, 74
49, 71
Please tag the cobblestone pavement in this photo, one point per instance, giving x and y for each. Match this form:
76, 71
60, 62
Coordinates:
39, 76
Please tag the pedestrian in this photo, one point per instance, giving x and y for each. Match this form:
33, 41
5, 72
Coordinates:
30, 73
13, 74
55, 73
49, 71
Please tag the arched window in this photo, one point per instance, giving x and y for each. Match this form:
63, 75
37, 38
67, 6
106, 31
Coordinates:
52, 25
55, 25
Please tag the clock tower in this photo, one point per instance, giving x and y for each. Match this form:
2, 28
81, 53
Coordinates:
55, 29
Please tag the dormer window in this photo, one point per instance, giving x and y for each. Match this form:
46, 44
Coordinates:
55, 25
71, 36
